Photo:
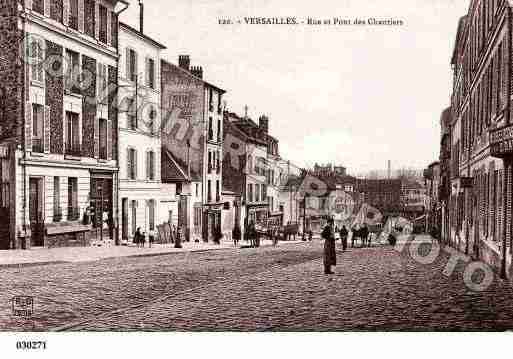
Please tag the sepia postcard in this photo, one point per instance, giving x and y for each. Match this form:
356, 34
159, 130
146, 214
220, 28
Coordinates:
310, 174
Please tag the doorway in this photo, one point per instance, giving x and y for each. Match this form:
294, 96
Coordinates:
36, 212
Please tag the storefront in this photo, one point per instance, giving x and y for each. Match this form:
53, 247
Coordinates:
211, 221
101, 211
258, 214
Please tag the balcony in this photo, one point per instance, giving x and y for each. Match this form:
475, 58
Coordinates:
73, 149
73, 214
37, 145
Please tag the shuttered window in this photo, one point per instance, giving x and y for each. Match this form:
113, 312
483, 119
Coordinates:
132, 164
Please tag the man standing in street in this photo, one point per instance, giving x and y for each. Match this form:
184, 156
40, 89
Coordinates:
330, 256
343, 237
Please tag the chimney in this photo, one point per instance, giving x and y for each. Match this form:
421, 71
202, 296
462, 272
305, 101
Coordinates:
141, 16
197, 71
263, 123
184, 61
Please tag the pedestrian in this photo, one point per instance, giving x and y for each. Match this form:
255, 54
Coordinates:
151, 237
138, 237
343, 237
251, 234
330, 256
236, 234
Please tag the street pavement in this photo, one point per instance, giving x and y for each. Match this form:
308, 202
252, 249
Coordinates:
264, 289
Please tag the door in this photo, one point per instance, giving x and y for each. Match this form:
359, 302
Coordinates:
36, 212
124, 219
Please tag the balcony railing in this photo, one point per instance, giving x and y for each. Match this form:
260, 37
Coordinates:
37, 145
73, 149
73, 214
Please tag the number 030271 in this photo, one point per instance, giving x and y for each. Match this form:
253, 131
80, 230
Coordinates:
30, 345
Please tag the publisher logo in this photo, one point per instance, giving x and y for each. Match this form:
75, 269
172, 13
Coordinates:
22, 306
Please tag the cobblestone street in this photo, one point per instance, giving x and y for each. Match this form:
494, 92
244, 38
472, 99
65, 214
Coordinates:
262, 289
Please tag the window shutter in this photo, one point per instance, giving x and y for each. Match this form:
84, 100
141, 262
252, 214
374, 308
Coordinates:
46, 129
81, 15
136, 67
127, 63
135, 164
65, 12
96, 137
110, 133
128, 164
147, 72
148, 165
109, 28
97, 20
28, 127
47, 7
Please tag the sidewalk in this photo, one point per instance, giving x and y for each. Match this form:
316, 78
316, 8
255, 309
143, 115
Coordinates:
42, 256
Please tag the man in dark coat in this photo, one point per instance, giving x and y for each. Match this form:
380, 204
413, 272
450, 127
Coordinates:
330, 256
343, 237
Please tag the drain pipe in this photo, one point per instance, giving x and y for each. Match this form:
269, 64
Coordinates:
118, 181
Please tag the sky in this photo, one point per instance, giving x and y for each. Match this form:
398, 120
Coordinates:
356, 96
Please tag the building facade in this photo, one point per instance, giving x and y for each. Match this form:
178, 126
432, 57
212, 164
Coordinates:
481, 152
59, 122
144, 201
193, 133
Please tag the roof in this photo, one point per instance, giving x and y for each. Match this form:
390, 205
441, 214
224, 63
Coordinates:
188, 73
174, 170
146, 37
460, 32
243, 135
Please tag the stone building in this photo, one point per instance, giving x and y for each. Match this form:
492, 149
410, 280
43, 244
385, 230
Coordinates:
383, 194
481, 136
433, 208
144, 201
192, 132
58, 76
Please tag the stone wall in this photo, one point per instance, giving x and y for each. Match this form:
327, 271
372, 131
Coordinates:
11, 72
89, 107
54, 95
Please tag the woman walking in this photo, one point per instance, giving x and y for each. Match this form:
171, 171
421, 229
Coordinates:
330, 256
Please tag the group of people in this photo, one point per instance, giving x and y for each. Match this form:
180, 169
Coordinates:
140, 238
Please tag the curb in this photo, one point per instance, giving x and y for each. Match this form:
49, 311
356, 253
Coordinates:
31, 264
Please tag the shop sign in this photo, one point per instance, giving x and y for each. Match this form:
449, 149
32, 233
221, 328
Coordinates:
501, 142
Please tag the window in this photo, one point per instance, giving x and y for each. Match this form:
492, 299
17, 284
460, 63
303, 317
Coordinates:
36, 56
209, 189
250, 192
197, 190
37, 128
219, 129
72, 134
209, 162
210, 99
151, 214
210, 129
264, 192
131, 65
132, 164
150, 165
73, 212
150, 73
103, 24
218, 162
57, 211
257, 193
38, 6
134, 217
218, 194
219, 105
72, 72
197, 216
73, 14
131, 114
101, 82
103, 133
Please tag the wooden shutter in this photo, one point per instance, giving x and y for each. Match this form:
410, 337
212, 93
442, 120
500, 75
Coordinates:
97, 20
148, 165
127, 63
81, 13
47, 7
136, 66
65, 12
109, 28
96, 137
147, 72
46, 129
110, 133
28, 127
128, 164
